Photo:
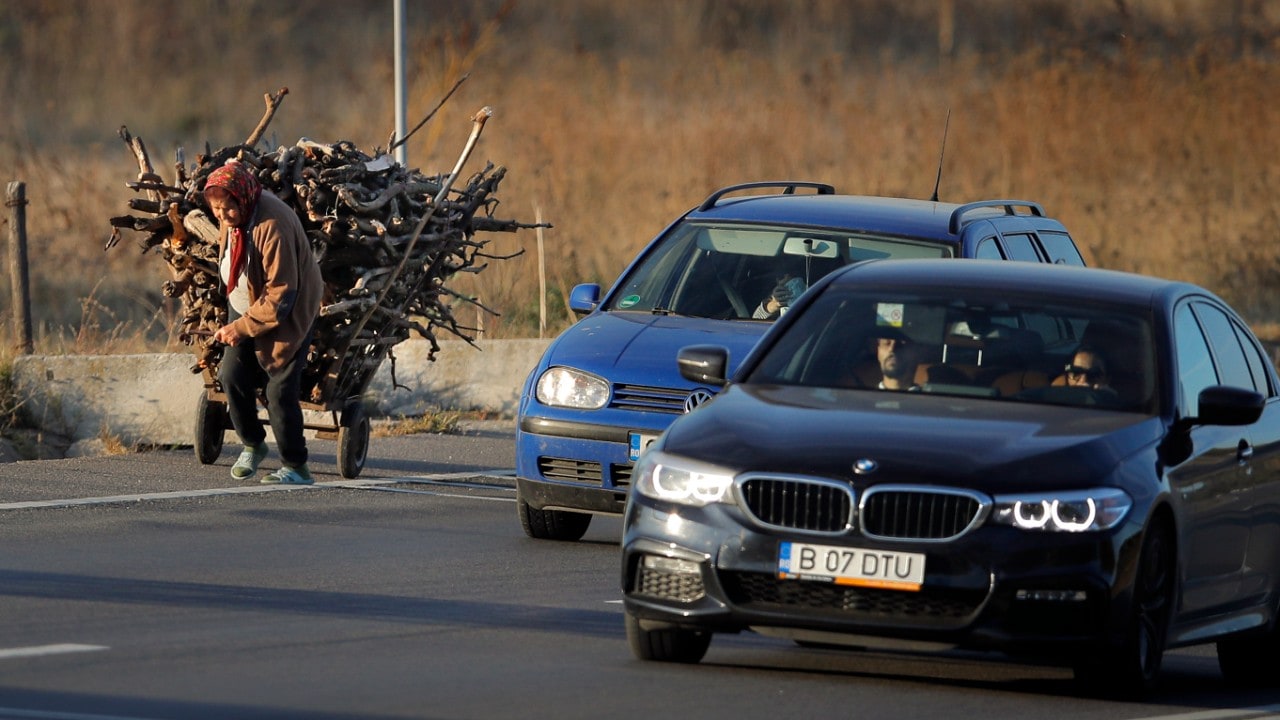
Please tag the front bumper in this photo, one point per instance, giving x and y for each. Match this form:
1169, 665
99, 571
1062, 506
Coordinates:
569, 465
1048, 595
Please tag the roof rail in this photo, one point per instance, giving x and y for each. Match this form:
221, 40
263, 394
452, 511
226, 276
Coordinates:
789, 189
1008, 205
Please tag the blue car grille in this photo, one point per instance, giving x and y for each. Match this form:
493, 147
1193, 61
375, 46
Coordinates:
570, 470
934, 606
646, 398
622, 474
583, 471
799, 504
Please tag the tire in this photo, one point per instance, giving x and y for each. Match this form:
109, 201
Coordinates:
1250, 660
353, 440
552, 524
211, 426
1132, 668
676, 645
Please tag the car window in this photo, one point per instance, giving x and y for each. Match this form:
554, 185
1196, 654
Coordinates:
1056, 331
733, 271
1257, 362
1233, 367
1021, 247
988, 249
1195, 366
1060, 248
973, 343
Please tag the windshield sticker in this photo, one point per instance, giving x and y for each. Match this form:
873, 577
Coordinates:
889, 315
628, 301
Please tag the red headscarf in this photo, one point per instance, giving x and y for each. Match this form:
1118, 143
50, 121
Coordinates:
240, 183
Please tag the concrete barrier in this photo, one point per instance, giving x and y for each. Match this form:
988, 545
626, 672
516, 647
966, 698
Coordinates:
151, 399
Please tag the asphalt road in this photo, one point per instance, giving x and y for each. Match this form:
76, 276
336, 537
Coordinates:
150, 586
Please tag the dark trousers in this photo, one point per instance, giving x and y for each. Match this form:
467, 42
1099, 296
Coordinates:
242, 376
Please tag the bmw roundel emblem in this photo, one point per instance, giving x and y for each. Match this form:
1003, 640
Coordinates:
696, 398
865, 466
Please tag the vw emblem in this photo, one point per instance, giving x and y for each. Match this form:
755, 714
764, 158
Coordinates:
865, 466
696, 398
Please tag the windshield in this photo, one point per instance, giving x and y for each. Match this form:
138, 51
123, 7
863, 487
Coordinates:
970, 343
748, 271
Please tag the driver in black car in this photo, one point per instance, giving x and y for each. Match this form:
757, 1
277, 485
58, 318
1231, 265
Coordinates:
897, 356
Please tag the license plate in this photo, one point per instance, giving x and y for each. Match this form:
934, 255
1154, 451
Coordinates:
851, 566
640, 441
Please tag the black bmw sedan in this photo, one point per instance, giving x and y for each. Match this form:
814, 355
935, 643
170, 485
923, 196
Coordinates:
1067, 464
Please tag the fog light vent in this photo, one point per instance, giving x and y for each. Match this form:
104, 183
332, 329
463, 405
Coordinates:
669, 579
1052, 595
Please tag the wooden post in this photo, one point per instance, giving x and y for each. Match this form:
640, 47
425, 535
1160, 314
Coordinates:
542, 277
19, 273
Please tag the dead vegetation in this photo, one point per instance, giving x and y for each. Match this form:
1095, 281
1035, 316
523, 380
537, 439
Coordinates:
1151, 128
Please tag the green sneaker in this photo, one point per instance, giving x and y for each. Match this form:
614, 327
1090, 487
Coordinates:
247, 464
289, 476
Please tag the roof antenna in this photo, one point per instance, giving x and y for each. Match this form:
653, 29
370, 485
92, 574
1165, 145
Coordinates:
941, 153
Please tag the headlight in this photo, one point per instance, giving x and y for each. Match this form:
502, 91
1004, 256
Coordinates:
1075, 511
674, 479
566, 387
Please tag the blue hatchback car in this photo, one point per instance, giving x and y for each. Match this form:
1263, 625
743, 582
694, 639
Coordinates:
608, 386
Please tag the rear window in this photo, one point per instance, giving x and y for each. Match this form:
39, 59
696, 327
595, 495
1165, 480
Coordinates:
1060, 248
1021, 247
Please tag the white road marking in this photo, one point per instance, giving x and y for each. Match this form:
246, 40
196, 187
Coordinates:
1245, 713
6, 712
443, 479
39, 650
438, 494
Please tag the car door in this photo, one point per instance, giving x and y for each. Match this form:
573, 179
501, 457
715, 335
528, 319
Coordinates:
1208, 484
1240, 362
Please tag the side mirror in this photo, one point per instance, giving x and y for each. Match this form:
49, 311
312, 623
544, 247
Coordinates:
1223, 405
584, 298
705, 364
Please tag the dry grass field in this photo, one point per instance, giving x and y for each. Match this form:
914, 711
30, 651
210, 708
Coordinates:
1150, 127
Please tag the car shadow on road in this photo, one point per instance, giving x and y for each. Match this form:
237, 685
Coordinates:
1189, 678
361, 606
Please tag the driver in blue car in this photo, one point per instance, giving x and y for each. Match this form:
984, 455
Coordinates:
788, 288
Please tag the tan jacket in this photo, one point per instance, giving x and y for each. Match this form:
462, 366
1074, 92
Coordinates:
285, 286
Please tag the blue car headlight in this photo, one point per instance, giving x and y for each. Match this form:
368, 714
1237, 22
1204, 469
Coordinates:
1068, 511
674, 479
567, 387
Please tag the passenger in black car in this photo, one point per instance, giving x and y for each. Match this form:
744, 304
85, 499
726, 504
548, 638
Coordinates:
1088, 368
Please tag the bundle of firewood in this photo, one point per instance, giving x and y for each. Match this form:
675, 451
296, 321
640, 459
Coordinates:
388, 239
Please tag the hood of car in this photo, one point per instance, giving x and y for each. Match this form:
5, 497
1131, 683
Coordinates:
640, 348
987, 445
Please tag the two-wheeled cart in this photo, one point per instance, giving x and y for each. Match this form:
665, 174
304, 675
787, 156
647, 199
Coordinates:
335, 385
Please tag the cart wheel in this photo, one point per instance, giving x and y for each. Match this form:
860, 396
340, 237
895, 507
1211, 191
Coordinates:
211, 425
353, 440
